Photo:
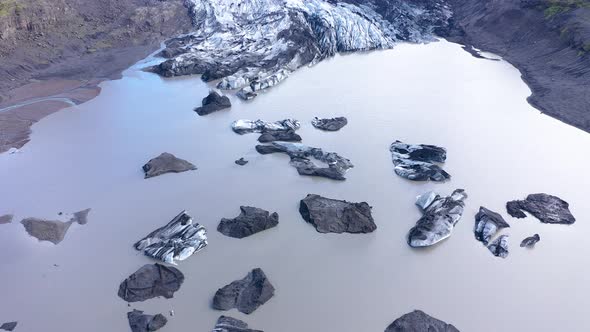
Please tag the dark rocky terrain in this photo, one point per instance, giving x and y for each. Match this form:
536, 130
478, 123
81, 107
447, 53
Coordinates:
547, 40
81, 39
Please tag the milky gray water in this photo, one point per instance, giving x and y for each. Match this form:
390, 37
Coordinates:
499, 149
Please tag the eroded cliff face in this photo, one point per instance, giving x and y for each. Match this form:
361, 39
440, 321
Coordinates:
81, 39
547, 40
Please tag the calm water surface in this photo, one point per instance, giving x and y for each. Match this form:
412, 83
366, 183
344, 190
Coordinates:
499, 149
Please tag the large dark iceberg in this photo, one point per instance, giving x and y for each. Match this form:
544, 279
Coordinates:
151, 280
440, 215
212, 103
487, 224
166, 163
418, 321
285, 136
548, 209
255, 45
6, 219
10, 326
416, 162
250, 221
176, 241
335, 216
333, 124
246, 294
336, 165
140, 322
229, 324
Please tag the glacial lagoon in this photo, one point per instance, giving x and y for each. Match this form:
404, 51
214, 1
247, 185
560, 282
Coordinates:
498, 149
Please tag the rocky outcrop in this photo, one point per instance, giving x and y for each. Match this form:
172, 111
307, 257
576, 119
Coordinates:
487, 224
418, 321
166, 163
259, 126
336, 216
250, 221
241, 162
246, 294
176, 241
416, 162
212, 103
499, 247
151, 280
10, 326
296, 33
547, 41
229, 324
548, 209
333, 124
530, 241
53, 231
140, 322
301, 155
440, 215
285, 136
6, 219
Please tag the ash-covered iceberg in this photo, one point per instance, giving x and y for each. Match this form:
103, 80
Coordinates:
336, 165
176, 241
440, 215
253, 45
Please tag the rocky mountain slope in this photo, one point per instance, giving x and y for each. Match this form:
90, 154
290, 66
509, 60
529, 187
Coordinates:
81, 39
547, 40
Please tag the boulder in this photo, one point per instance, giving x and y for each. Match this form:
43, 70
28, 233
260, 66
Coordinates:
332, 124
301, 155
259, 126
140, 322
530, 241
487, 224
166, 163
212, 103
440, 215
336, 216
246, 294
250, 221
176, 241
548, 209
499, 247
416, 162
151, 280
418, 321
54, 231
241, 162
229, 324
285, 136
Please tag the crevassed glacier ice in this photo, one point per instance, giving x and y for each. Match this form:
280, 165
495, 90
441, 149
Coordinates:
253, 45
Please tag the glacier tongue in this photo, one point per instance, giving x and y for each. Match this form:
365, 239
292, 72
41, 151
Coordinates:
253, 45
